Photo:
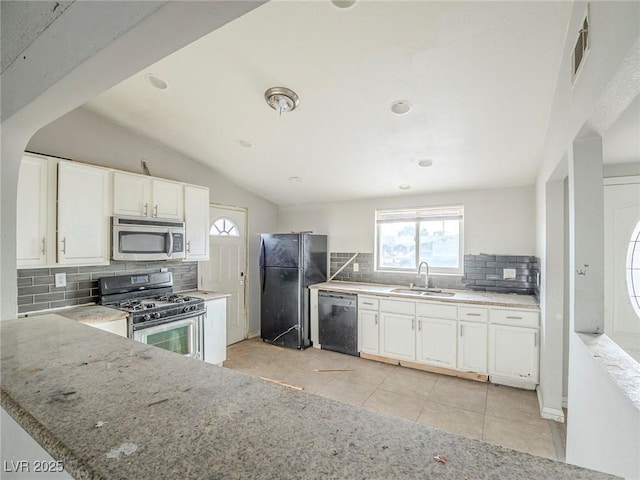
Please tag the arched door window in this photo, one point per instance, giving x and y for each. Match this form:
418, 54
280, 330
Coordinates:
224, 227
633, 269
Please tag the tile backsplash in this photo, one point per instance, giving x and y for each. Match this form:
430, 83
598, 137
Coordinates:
485, 273
37, 290
367, 274
481, 273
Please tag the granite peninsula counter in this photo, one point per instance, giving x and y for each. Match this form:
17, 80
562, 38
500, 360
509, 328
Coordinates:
166, 416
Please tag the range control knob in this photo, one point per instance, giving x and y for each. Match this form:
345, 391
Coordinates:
185, 309
146, 317
156, 315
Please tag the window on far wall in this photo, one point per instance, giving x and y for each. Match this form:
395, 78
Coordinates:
405, 237
633, 269
224, 227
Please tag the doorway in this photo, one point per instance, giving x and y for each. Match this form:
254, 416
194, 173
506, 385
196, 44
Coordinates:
226, 269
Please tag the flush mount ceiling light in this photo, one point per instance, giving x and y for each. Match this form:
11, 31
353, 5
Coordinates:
343, 3
157, 82
295, 179
281, 99
404, 186
425, 163
244, 143
400, 107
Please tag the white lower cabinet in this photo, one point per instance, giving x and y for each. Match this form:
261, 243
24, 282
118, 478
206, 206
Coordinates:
472, 347
513, 355
436, 342
119, 327
368, 334
397, 336
214, 330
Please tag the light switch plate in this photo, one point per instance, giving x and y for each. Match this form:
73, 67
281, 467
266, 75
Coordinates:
509, 274
356, 267
61, 279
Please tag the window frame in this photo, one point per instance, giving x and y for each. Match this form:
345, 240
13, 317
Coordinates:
421, 214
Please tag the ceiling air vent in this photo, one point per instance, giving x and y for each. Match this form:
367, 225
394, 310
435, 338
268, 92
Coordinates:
581, 47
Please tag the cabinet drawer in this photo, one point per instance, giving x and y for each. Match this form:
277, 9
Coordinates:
368, 303
473, 314
398, 306
518, 318
437, 310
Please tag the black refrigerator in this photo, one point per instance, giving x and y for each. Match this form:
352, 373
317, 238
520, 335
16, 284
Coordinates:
289, 263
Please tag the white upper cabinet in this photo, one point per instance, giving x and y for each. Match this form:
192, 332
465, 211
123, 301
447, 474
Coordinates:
142, 196
36, 214
83, 214
196, 215
168, 199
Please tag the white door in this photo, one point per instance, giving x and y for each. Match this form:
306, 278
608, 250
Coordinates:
621, 216
226, 269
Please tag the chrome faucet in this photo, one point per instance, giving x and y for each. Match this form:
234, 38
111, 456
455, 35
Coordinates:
426, 274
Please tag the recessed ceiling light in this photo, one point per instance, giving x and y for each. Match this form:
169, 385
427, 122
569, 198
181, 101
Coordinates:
245, 144
157, 82
404, 186
400, 107
343, 3
295, 179
425, 163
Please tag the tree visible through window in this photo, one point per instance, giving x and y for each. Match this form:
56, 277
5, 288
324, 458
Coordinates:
224, 227
406, 237
633, 269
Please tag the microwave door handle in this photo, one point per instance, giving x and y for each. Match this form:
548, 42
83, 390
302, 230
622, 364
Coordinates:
170, 244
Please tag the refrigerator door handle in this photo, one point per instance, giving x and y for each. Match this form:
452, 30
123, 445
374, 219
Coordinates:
262, 252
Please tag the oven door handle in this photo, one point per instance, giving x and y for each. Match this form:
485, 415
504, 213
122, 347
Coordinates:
162, 321
170, 251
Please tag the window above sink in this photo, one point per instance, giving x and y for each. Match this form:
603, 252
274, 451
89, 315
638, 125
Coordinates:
405, 237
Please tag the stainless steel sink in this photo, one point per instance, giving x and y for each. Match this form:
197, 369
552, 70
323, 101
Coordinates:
424, 292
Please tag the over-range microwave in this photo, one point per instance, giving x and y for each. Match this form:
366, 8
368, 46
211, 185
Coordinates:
139, 239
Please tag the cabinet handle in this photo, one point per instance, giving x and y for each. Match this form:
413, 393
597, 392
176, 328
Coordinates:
367, 303
43, 246
472, 314
64, 246
535, 339
413, 324
419, 325
189, 246
514, 318
462, 330
375, 319
155, 211
146, 209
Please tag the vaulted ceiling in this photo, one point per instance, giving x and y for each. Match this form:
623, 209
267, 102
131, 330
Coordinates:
479, 78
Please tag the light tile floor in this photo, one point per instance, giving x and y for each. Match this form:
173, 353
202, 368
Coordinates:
499, 415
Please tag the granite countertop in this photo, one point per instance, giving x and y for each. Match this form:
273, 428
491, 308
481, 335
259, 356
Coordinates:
461, 296
205, 294
110, 408
87, 314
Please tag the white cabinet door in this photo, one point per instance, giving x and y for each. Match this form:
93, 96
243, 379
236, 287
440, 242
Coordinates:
196, 217
131, 194
35, 233
513, 352
472, 347
83, 214
168, 199
436, 342
397, 336
368, 333
214, 331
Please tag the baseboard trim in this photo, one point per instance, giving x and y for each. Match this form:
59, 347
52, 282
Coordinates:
555, 414
565, 402
253, 334
512, 382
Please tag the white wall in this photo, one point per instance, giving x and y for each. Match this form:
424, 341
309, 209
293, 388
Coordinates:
605, 87
85, 136
84, 51
497, 221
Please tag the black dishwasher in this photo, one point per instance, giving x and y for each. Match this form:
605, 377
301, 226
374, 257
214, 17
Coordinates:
338, 322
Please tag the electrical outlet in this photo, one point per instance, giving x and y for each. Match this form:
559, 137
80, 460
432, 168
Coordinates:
61, 280
356, 267
164, 269
509, 274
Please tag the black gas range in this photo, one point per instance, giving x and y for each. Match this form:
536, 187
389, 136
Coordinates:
157, 315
